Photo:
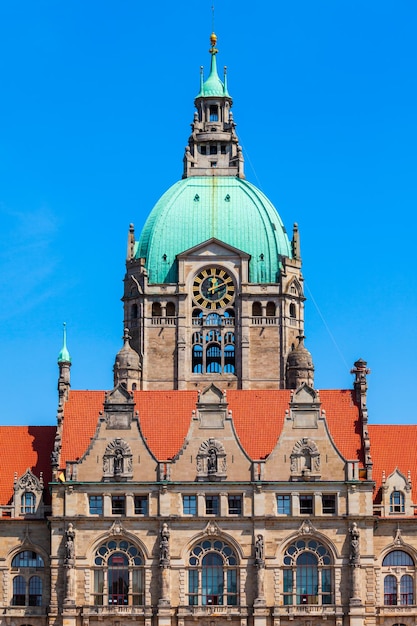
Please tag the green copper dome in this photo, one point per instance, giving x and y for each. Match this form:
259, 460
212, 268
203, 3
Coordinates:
201, 207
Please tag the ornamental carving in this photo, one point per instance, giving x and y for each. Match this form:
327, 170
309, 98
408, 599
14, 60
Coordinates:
117, 461
211, 460
28, 482
305, 458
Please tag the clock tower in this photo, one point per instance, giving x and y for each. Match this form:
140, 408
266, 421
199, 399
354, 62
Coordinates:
213, 291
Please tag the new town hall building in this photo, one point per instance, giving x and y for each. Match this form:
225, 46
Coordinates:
213, 484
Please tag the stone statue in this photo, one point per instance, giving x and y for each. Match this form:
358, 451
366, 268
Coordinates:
118, 462
259, 550
354, 556
212, 461
164, 546
69, 545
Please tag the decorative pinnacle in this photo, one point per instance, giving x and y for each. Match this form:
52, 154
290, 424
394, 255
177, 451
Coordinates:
64, 355
213, 41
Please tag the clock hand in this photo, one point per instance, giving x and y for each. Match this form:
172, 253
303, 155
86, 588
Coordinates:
216, 287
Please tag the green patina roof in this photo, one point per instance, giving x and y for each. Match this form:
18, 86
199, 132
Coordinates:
64, 355
213, 86
201, 207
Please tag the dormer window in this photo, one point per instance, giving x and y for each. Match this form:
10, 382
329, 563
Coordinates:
28, 503
396, 503
214, 113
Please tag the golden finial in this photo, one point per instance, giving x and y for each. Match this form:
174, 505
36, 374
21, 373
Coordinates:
213, 41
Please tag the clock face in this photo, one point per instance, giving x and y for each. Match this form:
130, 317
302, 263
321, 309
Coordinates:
213, 288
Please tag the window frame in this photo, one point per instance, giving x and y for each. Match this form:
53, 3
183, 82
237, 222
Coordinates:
95, 508
235, 504
118, 504
189, 505
214, 499
284, 504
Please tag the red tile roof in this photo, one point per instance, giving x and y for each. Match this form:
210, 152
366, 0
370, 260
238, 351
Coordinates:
165, 417
393, 447
23, 447
343, 419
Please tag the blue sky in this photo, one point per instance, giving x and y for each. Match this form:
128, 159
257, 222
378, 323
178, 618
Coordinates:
97, 99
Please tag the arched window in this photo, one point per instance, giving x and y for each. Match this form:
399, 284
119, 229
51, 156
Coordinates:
28, 503
212, 574
35, 591
270, 309
118, 575
396, 502
256, 309
308, 573
19, 591
27, 589
134, 311
170, 310
156, 309
213, 319
197, 364
213, 348
214, 113
214, 358
292, 310
398, 586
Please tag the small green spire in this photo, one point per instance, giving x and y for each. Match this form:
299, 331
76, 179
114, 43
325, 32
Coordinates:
64, 355
213, 86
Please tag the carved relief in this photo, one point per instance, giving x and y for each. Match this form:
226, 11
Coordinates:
211, 461
305, 458
117, 461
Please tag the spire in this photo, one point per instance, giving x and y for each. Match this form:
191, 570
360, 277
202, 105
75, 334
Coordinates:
213, 148
64, 364
296, 242
213, 86
64, 355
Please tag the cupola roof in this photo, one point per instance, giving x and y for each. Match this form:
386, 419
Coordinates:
199, 208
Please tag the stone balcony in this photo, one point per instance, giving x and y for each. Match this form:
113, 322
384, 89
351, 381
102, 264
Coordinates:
125, 611
212, 610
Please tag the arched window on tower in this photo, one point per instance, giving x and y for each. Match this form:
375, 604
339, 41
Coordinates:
293, 313
118, 575
212, 574
270, 309
170, 310
229, 353
256, 309
214, 113
399, 569
214, 358
156, 309
134, 311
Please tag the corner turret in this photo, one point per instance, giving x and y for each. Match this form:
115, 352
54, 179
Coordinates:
127, 367
300, 368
